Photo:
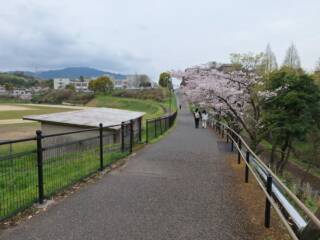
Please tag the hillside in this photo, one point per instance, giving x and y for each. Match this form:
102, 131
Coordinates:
75, 72
18, 79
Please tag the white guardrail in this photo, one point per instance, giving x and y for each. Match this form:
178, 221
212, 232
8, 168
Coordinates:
290, 209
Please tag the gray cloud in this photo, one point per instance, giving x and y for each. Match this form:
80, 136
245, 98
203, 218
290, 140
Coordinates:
151, 36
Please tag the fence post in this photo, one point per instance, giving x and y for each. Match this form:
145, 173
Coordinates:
268, 204
147, 131
122, 136
101, 145
160, 126
131, 135
155, 128
40, 166
222, 131
227, 134
247, 168
239, 152
231, 140
140, 130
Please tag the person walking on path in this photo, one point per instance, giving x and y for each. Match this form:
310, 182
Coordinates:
204, 118
197, 117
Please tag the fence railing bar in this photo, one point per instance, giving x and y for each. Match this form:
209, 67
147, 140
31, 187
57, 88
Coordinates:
273, 203
17, 140
68, 143
312, 217
15, 155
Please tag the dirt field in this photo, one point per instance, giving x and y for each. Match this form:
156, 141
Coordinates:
253, 199
12, 108
13, 121
16, 131
13, 127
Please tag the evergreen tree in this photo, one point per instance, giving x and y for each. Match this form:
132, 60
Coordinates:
292, 58
269, 61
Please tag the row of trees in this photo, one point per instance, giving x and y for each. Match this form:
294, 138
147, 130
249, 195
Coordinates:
264, 102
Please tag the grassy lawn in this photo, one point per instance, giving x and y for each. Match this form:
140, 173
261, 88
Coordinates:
12, 100
18, 174
151, 108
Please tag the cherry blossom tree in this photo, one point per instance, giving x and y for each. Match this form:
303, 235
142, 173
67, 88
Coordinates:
231, 95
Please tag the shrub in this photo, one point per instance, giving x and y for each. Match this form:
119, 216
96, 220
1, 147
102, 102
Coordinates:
63, 95
152, 94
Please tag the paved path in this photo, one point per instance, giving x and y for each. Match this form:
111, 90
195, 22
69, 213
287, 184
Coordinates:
178, 188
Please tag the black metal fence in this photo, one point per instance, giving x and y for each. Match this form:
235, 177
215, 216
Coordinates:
158, 126
300, 222
33, 169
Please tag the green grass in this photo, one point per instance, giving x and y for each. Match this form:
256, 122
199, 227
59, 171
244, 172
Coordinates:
18, 174
32, 110
12, 100
151, 108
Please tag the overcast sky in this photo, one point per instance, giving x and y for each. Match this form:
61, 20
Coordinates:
149, 36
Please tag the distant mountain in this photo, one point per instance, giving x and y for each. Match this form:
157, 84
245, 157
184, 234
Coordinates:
76, 72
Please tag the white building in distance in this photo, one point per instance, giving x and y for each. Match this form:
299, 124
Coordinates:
60, 83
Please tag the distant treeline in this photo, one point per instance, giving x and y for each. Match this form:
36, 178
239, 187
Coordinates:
20, 80
62, 96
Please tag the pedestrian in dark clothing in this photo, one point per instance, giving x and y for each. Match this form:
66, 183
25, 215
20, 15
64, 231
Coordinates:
197, 117
180, 106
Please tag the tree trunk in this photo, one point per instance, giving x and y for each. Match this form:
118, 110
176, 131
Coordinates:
272, 155
285, 151
285, 160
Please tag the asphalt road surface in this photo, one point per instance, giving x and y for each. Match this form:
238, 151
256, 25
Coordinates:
178, 188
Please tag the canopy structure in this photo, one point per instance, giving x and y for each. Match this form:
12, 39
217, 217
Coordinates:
88, 117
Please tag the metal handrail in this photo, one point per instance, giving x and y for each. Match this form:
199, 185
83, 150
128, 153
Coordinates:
297, 201
17, 141
162, 117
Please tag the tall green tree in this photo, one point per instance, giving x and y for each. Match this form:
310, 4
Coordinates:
71, 87
165, 80
316, 74
317, 68
101, 85
269, 61
291, 109
140, 80
292, 58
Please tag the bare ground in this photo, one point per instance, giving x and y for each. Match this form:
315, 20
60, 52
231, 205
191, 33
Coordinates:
16, 131
252, 198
